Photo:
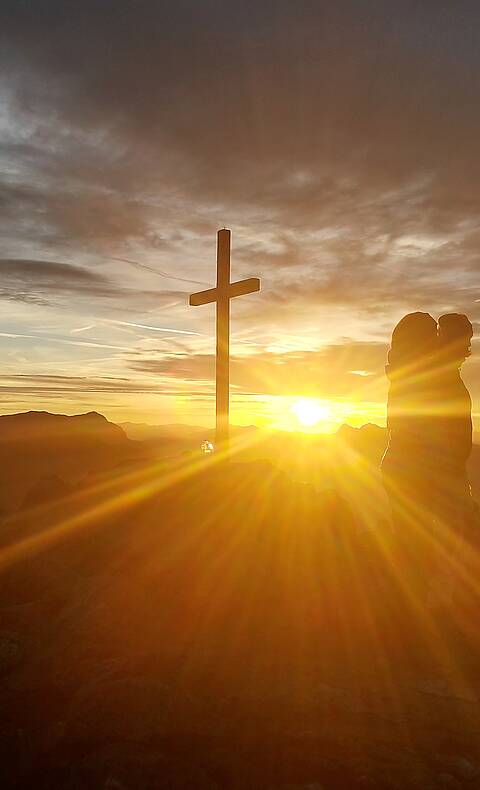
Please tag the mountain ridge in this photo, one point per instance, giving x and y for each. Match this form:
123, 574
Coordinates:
39, 446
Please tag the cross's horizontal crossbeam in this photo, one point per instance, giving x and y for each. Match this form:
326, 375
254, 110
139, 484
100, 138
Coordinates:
244, 287
240, 288
203, 297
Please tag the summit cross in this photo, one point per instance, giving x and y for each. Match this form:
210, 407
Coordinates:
221, 295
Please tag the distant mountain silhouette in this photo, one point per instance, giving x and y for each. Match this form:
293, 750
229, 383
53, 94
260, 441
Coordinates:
141, 431
320, 458
39, 446
166, 440
43, 455
369, 440
43, 424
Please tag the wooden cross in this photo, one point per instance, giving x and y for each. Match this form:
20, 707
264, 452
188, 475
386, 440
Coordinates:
221, 295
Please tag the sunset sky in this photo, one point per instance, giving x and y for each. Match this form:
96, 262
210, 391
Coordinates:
338, 140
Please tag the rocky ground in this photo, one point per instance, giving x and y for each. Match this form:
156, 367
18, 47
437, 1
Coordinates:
226, 628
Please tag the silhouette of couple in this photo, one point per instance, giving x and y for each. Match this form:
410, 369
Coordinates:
429, 424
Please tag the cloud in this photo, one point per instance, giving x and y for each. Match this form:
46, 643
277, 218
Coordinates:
329, 372
49, 272
48, 384
322, 106
339, 141
168, 330
44, 282
38, 281
159, 272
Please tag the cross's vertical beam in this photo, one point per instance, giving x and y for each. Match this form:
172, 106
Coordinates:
221, 295
223, 338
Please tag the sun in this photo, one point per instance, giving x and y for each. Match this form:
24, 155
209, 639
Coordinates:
309, 411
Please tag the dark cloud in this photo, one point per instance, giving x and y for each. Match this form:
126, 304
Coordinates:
225, 102
44, 282
49, 272
70, 213
39, 281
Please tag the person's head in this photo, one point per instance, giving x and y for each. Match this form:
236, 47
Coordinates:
455, 334
414, 343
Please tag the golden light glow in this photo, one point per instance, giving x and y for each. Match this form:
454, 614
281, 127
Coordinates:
302, 414
310, 412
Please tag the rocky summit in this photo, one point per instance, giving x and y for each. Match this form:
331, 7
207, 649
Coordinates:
201, 623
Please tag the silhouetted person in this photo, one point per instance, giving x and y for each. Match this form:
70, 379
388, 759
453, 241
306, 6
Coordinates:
455, 334
409, 463
453, 501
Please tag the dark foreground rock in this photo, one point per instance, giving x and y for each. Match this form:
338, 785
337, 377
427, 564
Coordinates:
227, 628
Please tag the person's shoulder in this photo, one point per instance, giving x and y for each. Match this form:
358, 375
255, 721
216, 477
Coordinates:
451, 378
464, 387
